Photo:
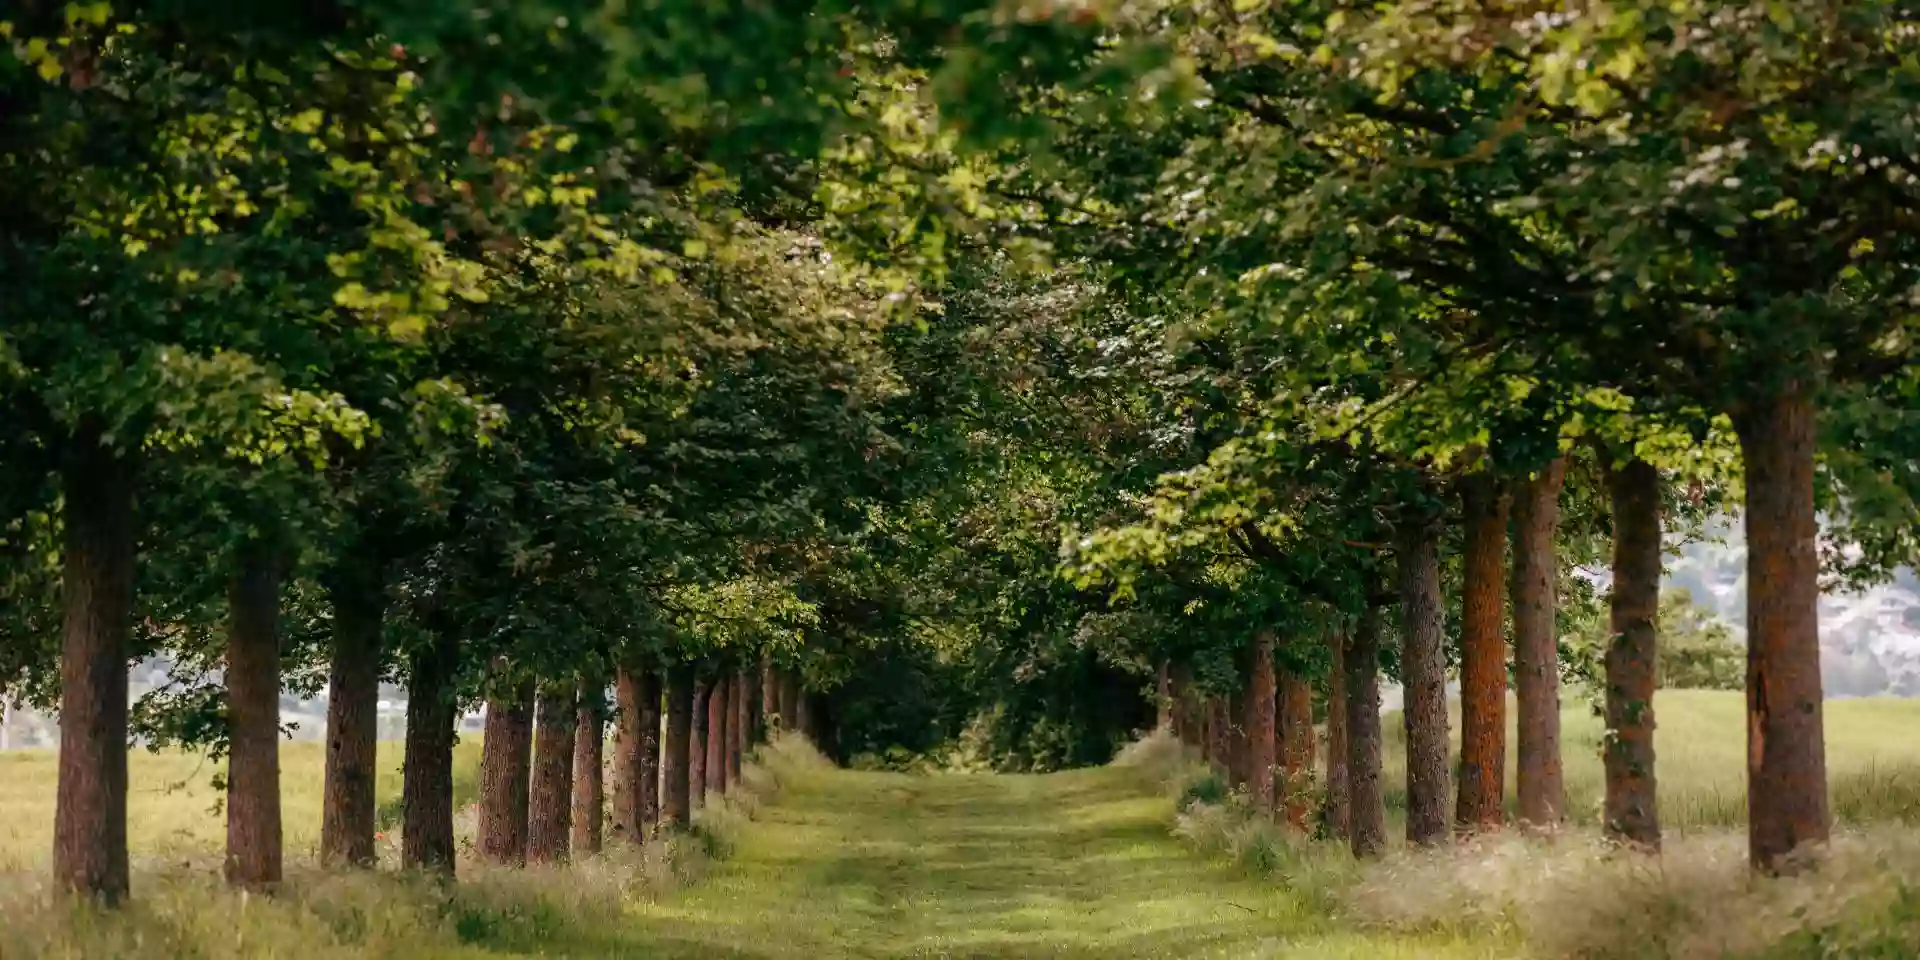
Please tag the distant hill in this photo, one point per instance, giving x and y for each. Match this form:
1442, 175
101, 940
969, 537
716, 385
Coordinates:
1870, 641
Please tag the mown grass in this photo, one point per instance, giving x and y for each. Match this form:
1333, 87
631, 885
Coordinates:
1068, 865
1572, 895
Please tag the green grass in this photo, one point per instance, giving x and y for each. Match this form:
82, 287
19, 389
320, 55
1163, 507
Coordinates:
844, 864
1873, 759
1090, 863
1078, 864
1574, 895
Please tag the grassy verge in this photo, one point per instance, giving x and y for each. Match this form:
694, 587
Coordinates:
180, 908
1067, 866
1575, 896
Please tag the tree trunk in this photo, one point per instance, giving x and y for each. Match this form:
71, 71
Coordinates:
505, 771
550, 800
1296, 724
676, 757
1259, 722
717, 736
1237, 745
756, 713
1185, 727
1536, 650
1217, 733
1163, 697
426, 837
90, 818
1483, 657
803, 713
1423, 668
253, 721
770, 697
589, 790
1334, 814
697, 746
629, 823
790, 702
739, 730
348, 811
1631, 813
1787, 810
1367, 812
652, 750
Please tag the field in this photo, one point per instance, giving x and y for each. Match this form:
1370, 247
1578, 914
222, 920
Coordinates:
1873, 759
173, 809
1575, 896
817, 863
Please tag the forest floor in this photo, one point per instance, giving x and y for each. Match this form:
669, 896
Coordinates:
1079, 864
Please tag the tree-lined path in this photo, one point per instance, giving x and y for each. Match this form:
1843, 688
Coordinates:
1078, 864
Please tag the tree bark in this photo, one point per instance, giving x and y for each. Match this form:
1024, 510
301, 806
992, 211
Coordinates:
1787, 806
629, 823
1163, 697
697, 746
550, 800
426, 838
1217, 733
1237, 740
1631, 811
739, 729
1483, 657
589, 789
756, 714
717, 736
652, 750
1423, 668
676, 756
253, 721
790, 702
348, 811
1259, 723
90, 818
1185, 729
1536, 650
770, 697
1296, 724
1367, 812
1334, 814
505, 772
803, 716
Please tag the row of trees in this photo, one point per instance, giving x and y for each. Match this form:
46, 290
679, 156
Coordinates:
491, 349
1363, 307
501, 351
682, 736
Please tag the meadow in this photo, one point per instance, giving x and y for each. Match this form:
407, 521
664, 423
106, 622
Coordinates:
1873, 759
1148, 857
1572, 894
181, 908
174, 805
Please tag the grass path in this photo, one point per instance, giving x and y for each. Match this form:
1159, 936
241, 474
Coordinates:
1068, 865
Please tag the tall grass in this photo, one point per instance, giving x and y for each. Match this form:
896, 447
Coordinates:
180, 908
1576, 896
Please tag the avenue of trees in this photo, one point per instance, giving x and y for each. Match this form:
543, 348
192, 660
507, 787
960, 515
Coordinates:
874, 368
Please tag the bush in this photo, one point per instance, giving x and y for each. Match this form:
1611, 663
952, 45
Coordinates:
1209, 788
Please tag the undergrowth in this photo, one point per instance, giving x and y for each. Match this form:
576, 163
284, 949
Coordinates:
181, 909
1573, 895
